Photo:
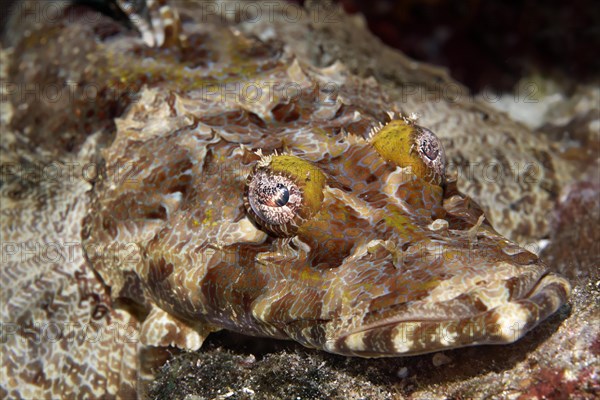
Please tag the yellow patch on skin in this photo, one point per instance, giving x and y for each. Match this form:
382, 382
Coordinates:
307, 176
208, 218
308, 275
398, 221
395, 142
429, 285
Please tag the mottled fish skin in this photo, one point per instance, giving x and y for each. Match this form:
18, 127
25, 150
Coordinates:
388, 264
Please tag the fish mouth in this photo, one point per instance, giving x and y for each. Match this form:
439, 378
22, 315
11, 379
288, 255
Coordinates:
504, 323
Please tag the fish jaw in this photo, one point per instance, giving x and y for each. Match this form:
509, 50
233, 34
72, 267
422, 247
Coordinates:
407, 334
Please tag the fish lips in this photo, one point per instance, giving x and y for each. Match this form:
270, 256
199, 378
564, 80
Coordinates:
465, 320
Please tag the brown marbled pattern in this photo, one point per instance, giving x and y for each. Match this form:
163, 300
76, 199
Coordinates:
386, 264
355, 269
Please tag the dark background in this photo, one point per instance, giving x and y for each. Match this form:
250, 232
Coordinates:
492, 42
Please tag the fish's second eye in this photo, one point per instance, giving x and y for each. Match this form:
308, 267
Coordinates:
409, 145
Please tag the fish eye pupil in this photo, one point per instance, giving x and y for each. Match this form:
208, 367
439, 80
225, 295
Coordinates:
429, 150
282, 196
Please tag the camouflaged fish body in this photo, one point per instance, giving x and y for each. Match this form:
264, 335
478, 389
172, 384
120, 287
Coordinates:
384, 263
357, 246
245, 189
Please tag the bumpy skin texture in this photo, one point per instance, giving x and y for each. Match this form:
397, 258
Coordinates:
388, 261
390, 265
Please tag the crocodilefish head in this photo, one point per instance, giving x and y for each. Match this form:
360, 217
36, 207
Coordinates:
387, 257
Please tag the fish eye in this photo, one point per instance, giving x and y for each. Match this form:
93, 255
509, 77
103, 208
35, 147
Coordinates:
283, 192
407, 144
274, 199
